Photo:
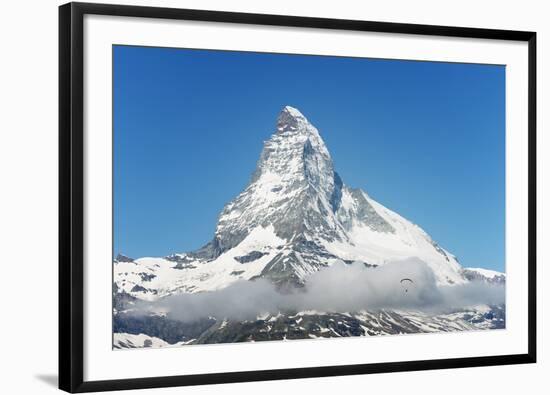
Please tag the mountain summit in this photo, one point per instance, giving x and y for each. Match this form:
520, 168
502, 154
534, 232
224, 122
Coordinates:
294, 189
295, 217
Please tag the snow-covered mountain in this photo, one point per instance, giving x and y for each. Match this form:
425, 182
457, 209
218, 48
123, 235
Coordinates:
304, 325
486, 275
295, 217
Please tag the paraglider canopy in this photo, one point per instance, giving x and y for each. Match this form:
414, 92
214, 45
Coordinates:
406, 283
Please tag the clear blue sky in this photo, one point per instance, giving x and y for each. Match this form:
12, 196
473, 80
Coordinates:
425, 139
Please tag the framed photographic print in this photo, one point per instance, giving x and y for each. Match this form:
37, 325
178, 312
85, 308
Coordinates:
239, 188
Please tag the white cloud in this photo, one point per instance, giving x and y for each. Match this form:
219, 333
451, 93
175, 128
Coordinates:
338, 288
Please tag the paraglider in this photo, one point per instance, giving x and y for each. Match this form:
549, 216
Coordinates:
406, 283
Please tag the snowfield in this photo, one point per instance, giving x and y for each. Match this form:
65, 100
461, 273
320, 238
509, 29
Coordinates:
152, 278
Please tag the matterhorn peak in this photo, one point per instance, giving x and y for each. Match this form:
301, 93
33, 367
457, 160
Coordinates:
293, 112
297, 210
291, 190
291, 119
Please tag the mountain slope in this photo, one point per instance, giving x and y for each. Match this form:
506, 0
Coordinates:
131, 330
488, 276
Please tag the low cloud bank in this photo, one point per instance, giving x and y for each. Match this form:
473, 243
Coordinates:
338, 288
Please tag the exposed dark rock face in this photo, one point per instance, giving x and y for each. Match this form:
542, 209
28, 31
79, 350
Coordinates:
473, 275
123, 258
252, 256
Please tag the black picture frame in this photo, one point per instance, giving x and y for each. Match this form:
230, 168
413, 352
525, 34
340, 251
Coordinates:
71, 204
